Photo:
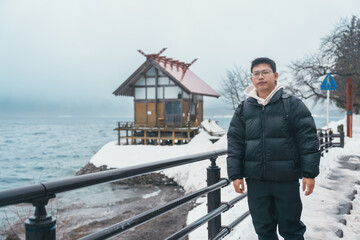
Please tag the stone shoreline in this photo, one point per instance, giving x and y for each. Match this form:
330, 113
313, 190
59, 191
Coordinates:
158, 228
80, 219
153, 179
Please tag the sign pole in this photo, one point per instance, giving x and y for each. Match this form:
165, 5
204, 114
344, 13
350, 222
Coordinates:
327, 85
327, 108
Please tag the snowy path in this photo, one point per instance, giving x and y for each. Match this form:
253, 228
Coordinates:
321, 215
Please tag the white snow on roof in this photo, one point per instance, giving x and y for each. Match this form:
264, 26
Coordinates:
212, 128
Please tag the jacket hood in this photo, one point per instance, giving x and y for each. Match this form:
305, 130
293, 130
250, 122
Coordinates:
250, 92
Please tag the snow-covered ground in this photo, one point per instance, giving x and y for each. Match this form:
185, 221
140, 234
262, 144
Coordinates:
212, 128
320, 209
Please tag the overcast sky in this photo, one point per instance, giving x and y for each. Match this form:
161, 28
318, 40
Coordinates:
67, 57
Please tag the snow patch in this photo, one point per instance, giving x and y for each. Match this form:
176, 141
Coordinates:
212, 128
153, 194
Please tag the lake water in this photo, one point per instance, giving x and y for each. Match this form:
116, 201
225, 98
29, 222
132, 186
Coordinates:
38, 149
41, 149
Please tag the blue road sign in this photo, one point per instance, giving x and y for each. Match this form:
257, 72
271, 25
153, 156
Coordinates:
328, 83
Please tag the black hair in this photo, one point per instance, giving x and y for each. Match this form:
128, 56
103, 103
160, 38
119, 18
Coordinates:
265, 60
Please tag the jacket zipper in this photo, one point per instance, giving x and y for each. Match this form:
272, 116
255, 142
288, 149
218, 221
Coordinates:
263, 142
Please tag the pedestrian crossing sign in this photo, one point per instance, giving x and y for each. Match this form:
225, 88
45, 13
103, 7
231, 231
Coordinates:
328, 83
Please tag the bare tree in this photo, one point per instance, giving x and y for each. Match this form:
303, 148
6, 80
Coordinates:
233, 86
339, 55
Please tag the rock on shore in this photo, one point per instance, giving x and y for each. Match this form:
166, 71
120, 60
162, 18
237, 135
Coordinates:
155, 179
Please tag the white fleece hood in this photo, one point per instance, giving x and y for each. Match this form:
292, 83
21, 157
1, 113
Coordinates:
250, 91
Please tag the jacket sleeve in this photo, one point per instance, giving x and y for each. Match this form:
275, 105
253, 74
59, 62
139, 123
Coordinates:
236, 145
306, 139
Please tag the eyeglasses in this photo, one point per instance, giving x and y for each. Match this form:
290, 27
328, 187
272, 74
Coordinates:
265, 73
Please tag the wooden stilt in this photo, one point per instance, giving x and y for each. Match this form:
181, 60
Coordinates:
132, 137
173, 137
145, 140
118, 133
158, 137
145, 134
127, 139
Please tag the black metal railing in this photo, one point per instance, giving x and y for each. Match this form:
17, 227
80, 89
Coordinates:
212, 215
43, 226
326, 139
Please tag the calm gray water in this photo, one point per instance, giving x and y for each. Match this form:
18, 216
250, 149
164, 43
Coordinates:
43, 149
37, 149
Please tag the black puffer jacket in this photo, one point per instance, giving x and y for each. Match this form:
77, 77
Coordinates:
264, 145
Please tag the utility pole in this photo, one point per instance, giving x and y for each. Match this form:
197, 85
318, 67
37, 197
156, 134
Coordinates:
349, 108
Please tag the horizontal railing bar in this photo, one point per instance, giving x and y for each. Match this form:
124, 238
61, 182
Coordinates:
237, 199
16, 195
325, 144
191, 227
194, 225
227, 229
327, 149
239, 220
40, 190
328, 146
325, 136
321, 129
166, 125
148, 215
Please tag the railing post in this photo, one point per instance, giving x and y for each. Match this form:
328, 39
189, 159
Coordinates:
331, 137
321, 135
342, 140
213, 198
41, 226
327, 144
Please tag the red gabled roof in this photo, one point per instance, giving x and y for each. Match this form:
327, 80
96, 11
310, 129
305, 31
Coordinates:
176, 70
188, 79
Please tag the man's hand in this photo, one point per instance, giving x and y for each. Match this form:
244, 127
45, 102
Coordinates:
308, 184
239, 185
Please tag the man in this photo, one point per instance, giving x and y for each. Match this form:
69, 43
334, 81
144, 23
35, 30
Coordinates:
272, 142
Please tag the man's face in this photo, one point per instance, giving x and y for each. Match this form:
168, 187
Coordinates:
263, 78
